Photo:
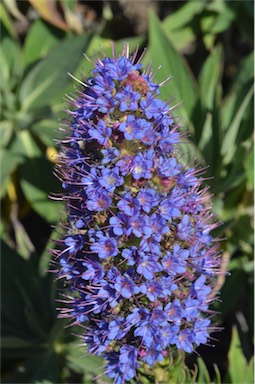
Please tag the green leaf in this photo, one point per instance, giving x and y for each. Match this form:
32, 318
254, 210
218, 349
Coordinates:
229, 142
189, 152
203, 375
6, 132
10, 61
79, 360
14, 343
47, 131
36, 177
217, 18
9, 161
178, 25
237, 361
249, 167
222, 22
49, 78
182, 87
183, 16
238, 90
39, 41
45, 257
23, 299
210, 77
37, 181
249, 372
6, 20
39, 367
24, 145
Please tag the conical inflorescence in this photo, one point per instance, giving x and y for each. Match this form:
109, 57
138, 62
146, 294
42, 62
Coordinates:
138, 259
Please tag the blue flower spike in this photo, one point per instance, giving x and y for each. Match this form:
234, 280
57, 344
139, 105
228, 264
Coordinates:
139, 263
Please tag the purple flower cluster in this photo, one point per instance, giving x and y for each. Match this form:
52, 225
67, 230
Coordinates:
138, 258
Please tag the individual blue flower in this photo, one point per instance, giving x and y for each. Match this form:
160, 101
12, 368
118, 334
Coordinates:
185, 228
137, 315
191, 308
153, 108
168, 210
129, 205
152, 289
147, 267
100, 202
121, 224
128, 361
105, 247
151, 244
175, 262
125, 286
199, 289
128, 99
152, 356
168, 335
158, 224
158, 316
74, 243
94, 271
126, 164
149, 135
131, 128
168, 139
201, 333
117, 329
110, 179
185, 340
131, 255
174, 311
140, 226
146, 330
168, 167
101, 133
148, 199
143, 164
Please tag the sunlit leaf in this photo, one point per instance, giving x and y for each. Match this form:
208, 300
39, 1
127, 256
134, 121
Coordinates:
238, 364
183, 87
39, 41
238, 90
46, 130
79, 360
210, 78
178, 25
49, 78
203, 374
229, 141
183, 16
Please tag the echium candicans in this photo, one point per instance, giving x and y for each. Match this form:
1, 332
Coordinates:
139, 262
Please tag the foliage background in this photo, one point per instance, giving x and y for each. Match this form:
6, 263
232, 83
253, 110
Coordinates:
207, 46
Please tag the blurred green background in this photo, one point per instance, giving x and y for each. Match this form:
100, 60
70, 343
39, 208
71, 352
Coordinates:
207, 47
